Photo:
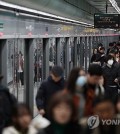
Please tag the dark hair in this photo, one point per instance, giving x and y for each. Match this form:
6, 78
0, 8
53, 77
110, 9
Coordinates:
95, 69
102, 48
111, 44
109, 57
59, 98
118, 44
19, 109
57, 71
74, 74
101, 99
100, 45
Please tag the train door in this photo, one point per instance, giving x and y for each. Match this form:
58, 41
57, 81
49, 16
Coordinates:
15, 67
63, 55
38, 67
71, 53
52, 53
78, 52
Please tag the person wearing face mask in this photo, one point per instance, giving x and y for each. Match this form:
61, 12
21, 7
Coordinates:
111, 72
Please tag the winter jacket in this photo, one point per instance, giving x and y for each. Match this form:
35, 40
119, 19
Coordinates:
110, 74
13, 130
7, 101
47, 89
71, 129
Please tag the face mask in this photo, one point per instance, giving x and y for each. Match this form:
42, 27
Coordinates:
81, 81
110, 62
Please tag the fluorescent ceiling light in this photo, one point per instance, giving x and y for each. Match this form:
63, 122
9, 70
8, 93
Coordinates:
5, 4
115, 5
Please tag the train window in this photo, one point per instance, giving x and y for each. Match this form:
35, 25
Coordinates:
38, 67
78, 52
63, 54
71, 53
15, 65
52, 53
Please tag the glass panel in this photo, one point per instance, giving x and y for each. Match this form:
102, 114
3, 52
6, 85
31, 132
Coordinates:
71, 53
52, 53
63, 54
15, 63
38, 68
78, 52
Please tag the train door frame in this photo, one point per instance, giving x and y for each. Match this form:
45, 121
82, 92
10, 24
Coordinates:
46, 42
3, 59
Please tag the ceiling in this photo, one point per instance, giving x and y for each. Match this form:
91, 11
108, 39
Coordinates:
101, 5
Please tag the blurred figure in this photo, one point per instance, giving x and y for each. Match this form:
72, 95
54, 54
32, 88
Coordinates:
21, 68
49, 87
118, 45
63, 116
7, 101
103, 108
111, 72
74, 74
21, 119
118, 107
93, 59
111, 45
100, 56
117, 57
92, 87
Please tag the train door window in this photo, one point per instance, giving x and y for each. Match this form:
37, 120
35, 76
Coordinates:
15, 63
78, 51
52, 53
63, 54
71, 53
38, 67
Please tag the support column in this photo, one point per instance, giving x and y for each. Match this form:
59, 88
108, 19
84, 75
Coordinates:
46, 42
3, 61
75, 52
58, 41
29, 73
67, 56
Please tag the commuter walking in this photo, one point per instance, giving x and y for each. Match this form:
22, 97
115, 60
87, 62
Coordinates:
21, 120
63, 116
49, 87
111, 72
73, 76
92, 87
100, 56
93, 58
7, 101
104, 108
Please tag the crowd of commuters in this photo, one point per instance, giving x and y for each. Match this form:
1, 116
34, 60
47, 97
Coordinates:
67, 104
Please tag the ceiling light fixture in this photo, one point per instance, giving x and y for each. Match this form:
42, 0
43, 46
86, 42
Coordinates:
115, 5
5, 4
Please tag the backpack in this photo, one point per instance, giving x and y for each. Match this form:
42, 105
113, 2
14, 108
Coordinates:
6, 103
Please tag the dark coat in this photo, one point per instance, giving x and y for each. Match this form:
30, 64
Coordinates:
110, 74
47, 89
7, 101
72, 129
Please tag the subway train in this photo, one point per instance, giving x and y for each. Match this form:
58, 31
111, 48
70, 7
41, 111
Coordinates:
39, 42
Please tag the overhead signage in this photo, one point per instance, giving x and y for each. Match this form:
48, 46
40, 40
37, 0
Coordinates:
106, 21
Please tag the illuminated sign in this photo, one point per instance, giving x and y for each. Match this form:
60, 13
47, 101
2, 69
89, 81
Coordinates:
106, 20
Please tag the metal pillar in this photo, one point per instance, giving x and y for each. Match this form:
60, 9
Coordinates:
75, 52
86, 52
3, 61
67, 56
28, 73
58, 56
46, 42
